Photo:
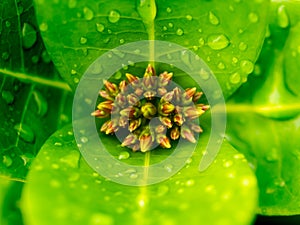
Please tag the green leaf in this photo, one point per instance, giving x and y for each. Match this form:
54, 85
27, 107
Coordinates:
228, 35
264, 115
224, 194
34, 102
10, 193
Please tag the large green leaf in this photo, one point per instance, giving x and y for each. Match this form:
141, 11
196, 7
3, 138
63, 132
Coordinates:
63, 189
227, 34
264, 115
34, 101
10, 193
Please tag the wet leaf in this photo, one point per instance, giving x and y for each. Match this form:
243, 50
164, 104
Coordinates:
264, 115
34, 101
63, 189
227, 34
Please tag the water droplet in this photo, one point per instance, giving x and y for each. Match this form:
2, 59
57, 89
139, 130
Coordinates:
162, 190
179, 32
243, 46
43, 27
73, 72
124, 155
96, 69
106, 40
253, 17
55, 166
71, 159
272, 156
133, 175
235, 78
189, 17
35, 59
83, 40
46, 57
169, 168
99, 218
217, 41
29, 35
204, 74
7, 160
228, 164
235, 60
190, 182
213, 19
41, 103
55, 183
5, 56
25, 132
122, 41
247, 66
7, 23
221, 66
118, 75
283, 18
118, 53
201, 42
72, 4
84, 139
59, 144
169, 10
76, 80
170, 25
88, 13
113, 16
100, 27
8, 97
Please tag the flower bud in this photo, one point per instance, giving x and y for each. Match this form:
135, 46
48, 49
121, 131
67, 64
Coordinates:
149, 71
133, 80
148, 110
108, 105
164, 78
131, 112
175, 133
145, 140
106, 95
129, 140
166, 121
197, 96
163, 140
101, 113
178, 119
134, 124
166, 108
196, 128
186, 133
122, 86
133, 100
111, 88
123, 121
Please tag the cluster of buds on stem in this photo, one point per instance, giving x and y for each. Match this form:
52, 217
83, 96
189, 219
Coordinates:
133, 105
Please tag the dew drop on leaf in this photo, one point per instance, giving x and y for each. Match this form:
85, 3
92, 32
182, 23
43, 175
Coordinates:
253, 17
8, 97
221, 66
43, 27
189, 17
25, 132
124, 155
5, 56
41, 103
35, 59
179, 32
76, 80
169, 10
72, 4
243, 46
247, 66
84, 139
7, 160
283, 19
83, 40
169, 168
204, 74
71, 159
113, 16
100, 27
122, 41
29, 35
88, 13
201, 42
235, 78
170, 25
217, 41
213, 19
7, 24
